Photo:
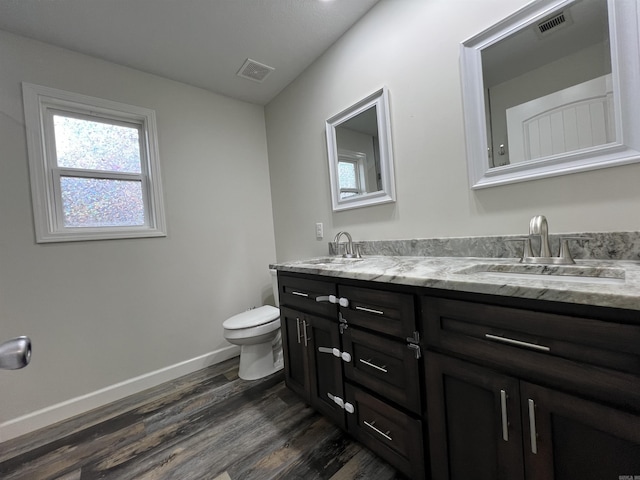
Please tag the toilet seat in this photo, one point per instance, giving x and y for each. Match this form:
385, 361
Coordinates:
252, 318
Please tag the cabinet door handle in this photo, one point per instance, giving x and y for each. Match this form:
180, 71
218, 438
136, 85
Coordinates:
300, 294
304, 331
298, 329
532, 427
370, 310
383, 368
505, 420
517, 343
379, 432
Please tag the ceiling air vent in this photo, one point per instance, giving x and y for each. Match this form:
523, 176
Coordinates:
554, 23
255, 71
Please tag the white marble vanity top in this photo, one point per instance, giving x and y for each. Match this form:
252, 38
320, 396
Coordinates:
608, 283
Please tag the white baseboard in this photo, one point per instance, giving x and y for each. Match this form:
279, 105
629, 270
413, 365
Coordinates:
69, 408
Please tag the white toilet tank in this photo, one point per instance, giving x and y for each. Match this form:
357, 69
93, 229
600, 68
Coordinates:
274, 285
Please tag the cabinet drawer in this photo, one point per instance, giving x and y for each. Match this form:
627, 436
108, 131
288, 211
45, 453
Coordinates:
391, 433
383, 365
307, 295
569, 352
385, 312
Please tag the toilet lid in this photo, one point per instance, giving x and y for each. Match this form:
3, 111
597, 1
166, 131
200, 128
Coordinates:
252, 318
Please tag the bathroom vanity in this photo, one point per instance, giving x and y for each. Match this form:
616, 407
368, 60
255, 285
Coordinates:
457, 368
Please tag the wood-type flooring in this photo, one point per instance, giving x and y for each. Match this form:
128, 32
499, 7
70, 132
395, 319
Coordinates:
207, 425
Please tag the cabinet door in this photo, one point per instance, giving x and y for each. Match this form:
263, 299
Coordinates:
325, 369
296, 364
568, 438
474, 421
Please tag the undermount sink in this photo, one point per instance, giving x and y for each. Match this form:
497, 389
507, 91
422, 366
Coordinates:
332, 261
561, 273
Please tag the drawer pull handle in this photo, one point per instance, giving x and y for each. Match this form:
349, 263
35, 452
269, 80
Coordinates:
517, 343
379, 432
505, 420
532, 427
370, 310
300, 294
383, 368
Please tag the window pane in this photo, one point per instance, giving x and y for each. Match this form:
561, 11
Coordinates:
347, 178
94, 202
95, 145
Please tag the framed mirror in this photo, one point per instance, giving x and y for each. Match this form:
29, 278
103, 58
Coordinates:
360, 154
552, 89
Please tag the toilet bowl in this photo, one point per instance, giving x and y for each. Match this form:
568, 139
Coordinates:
257, 332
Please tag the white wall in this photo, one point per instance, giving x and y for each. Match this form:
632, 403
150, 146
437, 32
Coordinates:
105, 312
412, 46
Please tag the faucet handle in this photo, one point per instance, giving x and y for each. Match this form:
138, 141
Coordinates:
565, 253
526, 252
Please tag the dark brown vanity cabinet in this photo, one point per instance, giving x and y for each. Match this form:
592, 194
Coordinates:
517, 393
353, 353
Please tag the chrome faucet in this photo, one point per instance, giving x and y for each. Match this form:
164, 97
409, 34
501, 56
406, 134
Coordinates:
538, 226
349, 253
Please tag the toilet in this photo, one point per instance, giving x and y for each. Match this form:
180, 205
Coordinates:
257, 331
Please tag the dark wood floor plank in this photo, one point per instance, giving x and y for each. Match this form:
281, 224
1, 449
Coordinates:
365, 465
279, 458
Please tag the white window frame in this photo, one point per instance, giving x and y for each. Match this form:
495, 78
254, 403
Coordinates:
357, 159
40, 104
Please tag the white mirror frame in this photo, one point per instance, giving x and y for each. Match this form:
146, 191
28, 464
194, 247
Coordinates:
379, 100
624, 18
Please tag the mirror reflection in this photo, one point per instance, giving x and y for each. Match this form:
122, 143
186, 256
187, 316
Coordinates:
548, 87
359, 153
358, 158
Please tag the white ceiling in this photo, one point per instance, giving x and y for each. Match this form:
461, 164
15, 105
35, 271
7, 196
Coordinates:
199, 42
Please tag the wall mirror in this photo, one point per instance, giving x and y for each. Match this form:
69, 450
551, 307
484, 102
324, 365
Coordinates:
360, 155
552, 89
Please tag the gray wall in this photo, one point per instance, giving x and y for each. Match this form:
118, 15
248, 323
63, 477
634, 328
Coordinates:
104, 312
412, 46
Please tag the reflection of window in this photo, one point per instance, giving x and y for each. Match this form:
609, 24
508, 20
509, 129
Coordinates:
94, 167
348, 175
351, 174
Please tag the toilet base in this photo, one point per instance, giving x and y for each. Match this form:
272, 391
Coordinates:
256, 361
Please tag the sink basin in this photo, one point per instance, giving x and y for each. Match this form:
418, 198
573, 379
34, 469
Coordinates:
560, 273
332, 261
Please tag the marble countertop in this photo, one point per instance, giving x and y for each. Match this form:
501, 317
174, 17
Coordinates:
608, 283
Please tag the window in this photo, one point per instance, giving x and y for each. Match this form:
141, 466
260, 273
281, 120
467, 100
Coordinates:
95, 172
351, 173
